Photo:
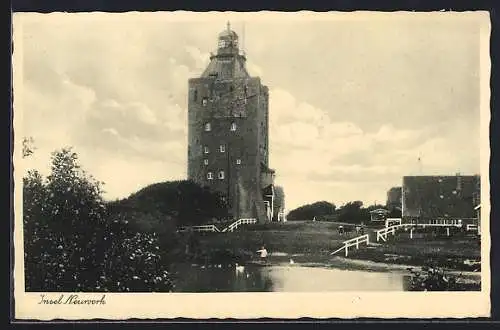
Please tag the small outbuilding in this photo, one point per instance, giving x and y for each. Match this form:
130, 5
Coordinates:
378, 215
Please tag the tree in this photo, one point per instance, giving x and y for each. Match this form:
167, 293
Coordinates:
182, 202
64, 222
309, 211
353, 212
71, 244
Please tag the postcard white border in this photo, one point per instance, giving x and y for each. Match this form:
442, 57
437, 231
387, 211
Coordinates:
258, 305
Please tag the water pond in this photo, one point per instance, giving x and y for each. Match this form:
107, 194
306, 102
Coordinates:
284, 278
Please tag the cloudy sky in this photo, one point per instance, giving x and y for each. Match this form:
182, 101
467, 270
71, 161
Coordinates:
353, 102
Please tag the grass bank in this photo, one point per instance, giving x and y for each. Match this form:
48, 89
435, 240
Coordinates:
312, 242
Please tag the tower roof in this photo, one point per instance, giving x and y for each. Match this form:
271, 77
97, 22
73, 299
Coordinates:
228, 63
228, 33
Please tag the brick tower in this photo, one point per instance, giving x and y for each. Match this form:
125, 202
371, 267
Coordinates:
228, 133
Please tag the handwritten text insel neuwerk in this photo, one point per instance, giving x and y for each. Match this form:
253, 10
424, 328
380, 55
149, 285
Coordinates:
71, 299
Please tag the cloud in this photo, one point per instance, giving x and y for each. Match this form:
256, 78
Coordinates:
200, 58
349, 114
310, 147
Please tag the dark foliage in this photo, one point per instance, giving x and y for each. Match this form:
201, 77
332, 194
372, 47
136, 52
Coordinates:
70, 243
352, 212
309, 211
395, 213
168, 204
432, 279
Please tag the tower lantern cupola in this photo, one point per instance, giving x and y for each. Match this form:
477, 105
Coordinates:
228, 41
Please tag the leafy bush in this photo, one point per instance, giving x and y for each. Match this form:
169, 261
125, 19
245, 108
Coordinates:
174, 203
70, 244
432, 279
352, 212
309, 211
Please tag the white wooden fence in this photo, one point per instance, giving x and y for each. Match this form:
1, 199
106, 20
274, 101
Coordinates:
382, 233
353, 242
470, 227
392, 221
214, 229
238, 223
204, 228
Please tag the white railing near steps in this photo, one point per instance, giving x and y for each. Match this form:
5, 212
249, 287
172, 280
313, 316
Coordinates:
353, 242
470, 227
214, 229
382, 233
238, 223
204, 228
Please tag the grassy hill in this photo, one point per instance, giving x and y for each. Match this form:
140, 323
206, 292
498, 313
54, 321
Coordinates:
165, 205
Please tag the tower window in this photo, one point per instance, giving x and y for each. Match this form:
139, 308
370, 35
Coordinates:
222, 148
208, 127
205, 161
206, 150
204, 101
210, 176
195, 95
221, 175
238, 161
233, 126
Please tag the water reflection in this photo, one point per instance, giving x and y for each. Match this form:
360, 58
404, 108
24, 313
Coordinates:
284, 279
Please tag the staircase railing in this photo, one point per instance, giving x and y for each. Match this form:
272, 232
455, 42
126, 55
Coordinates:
204, 228
213, 228
353, 242
382, 233
238, 223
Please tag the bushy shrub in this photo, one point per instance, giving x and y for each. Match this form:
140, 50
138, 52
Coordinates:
70, 244
309, 211
182, 203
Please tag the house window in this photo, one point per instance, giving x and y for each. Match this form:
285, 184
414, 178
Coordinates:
205, 150
210, 176
222, 148
233, 126
238, 161
205, 161
204, 101
208, 127
221, 175
195, 95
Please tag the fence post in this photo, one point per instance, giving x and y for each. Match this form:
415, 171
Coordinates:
357, 244
346, 249
411, 233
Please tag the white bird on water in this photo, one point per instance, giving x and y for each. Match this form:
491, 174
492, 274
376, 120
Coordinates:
292, 262
239, 269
